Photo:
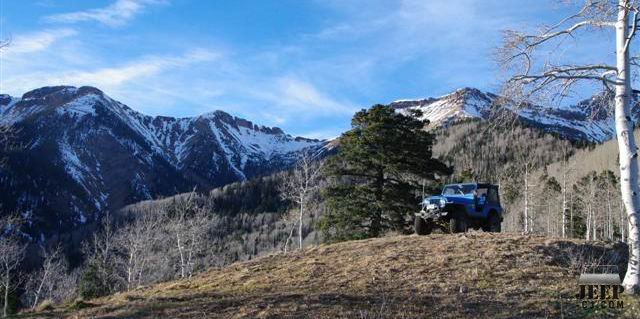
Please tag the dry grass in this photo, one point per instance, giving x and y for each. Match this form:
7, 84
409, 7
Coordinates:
477, 275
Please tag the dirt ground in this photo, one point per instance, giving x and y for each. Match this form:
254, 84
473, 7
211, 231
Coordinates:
473, 275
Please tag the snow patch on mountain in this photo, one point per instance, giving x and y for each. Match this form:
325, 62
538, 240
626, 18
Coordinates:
72, 163
228, 154
585, 120
81, 106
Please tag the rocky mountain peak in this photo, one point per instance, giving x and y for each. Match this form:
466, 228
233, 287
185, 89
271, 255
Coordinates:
590, 119
93, 153
5, 99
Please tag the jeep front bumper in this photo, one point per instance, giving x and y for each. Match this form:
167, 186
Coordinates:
431, 211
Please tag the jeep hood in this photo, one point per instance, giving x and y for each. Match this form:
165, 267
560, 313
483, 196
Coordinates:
436, 199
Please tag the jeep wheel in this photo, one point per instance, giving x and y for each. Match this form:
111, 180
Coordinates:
421, 226
494, 223
458, 223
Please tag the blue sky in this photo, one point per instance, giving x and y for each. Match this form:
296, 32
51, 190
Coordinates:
304, 66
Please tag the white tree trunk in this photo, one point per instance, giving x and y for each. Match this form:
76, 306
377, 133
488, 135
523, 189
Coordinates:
564, 202
286, 243
300, 222
38, 291
526, 198
130, 270
623, 224
571, 216
181, 252
588, 224
627, 147
7, 283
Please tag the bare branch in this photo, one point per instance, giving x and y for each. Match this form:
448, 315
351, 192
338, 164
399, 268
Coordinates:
634, 28
540, 39
520, 51
4, 43
299, 187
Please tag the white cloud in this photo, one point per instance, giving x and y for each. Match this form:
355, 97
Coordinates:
114, 15
37, 41
109, 78
295, 92
293, 97
113, 76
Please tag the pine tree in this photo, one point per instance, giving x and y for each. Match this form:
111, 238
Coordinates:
378, 173
91, 284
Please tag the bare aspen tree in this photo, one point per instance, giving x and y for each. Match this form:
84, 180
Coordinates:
609, 217
101, 253
41, 283
66, 285
564, 202
135, 242
527, 165
177, 227
521, 53
290, 220
300, 184
591, 231
188, 225
571, 229
526, 199
12, 252
196, 234
565, 171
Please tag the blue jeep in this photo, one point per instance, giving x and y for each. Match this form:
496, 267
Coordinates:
460, 207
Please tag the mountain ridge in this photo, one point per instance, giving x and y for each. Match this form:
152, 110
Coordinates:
85, 153
92, 153
589, 119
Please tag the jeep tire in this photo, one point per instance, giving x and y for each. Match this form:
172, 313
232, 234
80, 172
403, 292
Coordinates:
458, 223
495, 225
421, 226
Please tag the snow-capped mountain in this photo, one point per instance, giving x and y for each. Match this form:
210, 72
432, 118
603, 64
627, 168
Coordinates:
81, 153
590, 119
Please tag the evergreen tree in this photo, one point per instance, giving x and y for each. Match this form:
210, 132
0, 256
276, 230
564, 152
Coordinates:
378, 173
91, 284
467, 176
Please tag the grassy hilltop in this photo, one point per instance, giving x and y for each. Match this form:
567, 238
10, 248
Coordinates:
473, 275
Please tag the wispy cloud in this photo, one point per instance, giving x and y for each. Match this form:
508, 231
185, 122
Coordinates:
145, 67
360, 53
37, 41
112, 77
297, 93
114, 15
292, 97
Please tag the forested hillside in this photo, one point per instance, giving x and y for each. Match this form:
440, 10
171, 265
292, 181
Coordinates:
493, 152
251, 218
561, 184
586, 187
82, 154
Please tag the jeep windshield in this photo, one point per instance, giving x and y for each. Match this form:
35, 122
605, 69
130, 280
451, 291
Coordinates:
453, 190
